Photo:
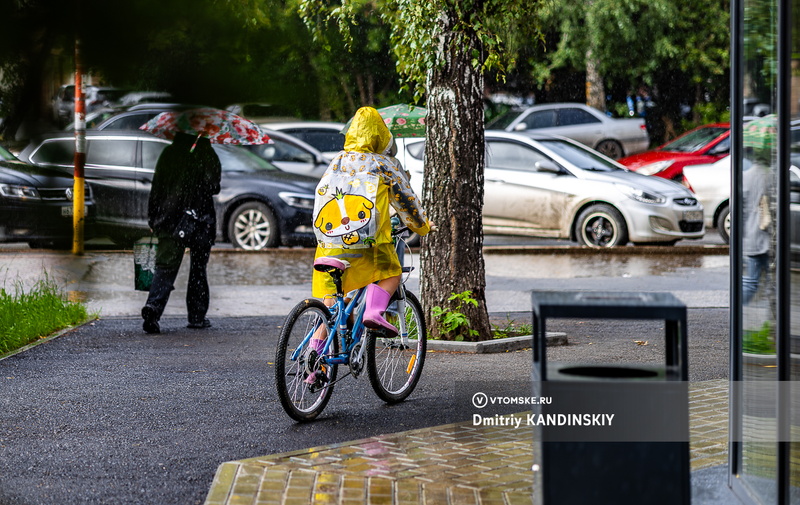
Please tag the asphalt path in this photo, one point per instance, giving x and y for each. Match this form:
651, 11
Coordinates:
107, 414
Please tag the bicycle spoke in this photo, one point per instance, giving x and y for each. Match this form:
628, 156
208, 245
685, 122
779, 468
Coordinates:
395, 364
303, 400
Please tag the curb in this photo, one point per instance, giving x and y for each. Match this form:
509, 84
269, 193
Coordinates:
48, 338
643, 250
497, 345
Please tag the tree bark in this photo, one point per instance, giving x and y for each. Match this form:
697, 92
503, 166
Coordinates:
595, 90
452, 257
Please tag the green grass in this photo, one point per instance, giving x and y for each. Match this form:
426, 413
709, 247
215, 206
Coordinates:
27, 316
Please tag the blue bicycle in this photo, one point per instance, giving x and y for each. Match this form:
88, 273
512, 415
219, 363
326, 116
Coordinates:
305, 378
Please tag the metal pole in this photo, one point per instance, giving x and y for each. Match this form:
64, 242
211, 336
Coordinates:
79, 185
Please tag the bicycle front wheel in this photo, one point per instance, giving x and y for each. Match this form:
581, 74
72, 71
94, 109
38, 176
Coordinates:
395, 364
303, 398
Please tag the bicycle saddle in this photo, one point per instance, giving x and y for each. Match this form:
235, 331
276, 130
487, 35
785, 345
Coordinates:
326, 264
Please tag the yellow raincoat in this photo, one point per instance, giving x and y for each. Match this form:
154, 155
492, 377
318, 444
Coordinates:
374, 258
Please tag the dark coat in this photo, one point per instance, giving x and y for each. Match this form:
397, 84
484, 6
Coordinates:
184, 180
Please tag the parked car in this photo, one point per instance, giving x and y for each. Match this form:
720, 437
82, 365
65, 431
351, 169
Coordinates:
261, 112
259, 206
325, 136
794, 215
36, 204
711, 183
291, 154
134, 117
93, 119
612, 137
95, 98
704, 144
140, 97
553, 187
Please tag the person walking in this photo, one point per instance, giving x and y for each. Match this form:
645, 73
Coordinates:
757, 229
181, 214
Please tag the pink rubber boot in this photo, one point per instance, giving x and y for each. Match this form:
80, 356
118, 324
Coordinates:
377, 299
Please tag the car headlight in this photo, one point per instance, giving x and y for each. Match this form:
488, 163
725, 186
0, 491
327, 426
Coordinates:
299, 200
14, 191
654, 168
640, 195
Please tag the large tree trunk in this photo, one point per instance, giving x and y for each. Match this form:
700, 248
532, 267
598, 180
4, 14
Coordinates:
595, 90
452, 258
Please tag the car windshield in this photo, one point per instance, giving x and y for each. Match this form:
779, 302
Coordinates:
503, 120
580, 157
236, 159
696, 140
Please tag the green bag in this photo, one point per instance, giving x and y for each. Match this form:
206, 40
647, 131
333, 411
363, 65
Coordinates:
144, 263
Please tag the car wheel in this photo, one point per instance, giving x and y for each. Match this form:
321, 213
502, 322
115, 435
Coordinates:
601, 226
610, 148
724, 224
253, 227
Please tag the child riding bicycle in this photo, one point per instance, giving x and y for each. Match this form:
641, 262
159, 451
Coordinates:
352, 220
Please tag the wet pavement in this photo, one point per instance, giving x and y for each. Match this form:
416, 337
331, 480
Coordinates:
271, 282
440, 462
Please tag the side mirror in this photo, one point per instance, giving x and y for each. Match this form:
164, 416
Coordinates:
521, 127
547, 166
268, 153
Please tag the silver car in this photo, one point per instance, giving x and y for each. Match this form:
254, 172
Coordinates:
615, 138
545, 186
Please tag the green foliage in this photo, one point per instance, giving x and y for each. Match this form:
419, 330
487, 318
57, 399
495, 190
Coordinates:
707, 113
761, 341
416, 25
452, 322
511, 328
26, 316
635, 42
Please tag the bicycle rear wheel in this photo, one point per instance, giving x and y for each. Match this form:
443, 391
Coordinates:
301, 400
395, 364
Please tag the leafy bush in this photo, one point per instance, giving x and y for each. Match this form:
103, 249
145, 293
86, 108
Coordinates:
453, 322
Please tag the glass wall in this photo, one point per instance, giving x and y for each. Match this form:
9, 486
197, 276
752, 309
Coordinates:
757, 166
765, 252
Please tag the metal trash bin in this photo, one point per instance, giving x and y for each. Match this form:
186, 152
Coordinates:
611, 433
144, 263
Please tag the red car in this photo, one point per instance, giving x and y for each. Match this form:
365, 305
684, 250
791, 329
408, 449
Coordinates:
704, 144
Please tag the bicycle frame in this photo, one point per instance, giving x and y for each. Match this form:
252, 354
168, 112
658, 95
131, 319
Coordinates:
349, 337
341, 311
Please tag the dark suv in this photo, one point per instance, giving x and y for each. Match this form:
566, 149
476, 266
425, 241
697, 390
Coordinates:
259, 205
36, 204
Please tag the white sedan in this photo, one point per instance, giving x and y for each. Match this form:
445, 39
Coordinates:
552, 187
612, 137
711, 182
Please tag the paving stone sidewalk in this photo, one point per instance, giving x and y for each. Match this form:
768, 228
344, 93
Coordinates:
451, 464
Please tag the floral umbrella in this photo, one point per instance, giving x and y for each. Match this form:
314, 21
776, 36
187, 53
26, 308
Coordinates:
403, 120
219, 126
760, 133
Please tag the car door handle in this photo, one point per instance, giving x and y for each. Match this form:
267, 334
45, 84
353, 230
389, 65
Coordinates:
501, 181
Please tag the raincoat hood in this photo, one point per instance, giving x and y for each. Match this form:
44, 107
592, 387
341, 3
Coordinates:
367, 132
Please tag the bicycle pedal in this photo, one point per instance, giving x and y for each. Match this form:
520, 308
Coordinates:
317, 378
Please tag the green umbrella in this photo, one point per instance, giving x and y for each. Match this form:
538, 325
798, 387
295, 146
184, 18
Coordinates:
760, 133
403, 120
